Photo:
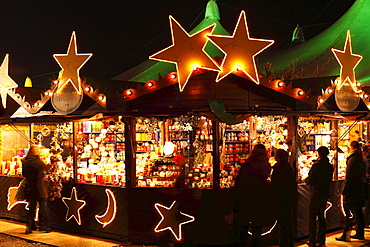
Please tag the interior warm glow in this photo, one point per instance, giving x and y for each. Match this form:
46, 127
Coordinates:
300, 92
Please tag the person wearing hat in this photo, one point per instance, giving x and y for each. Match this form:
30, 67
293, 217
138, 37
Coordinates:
319, 179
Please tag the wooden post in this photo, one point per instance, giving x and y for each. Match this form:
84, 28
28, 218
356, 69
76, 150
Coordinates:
74, 148
293, 138
334, 146
216, 154
130, 152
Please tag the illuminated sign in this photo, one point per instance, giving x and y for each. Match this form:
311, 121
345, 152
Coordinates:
111, 210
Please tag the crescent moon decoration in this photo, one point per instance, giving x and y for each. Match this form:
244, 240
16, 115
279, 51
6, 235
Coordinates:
328, 206
12, 191
74, 206
110, 212
267, 232
172, 219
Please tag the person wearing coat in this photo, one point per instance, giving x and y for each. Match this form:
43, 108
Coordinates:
251, 194
284, 189
35, 190
354, 193
319, 179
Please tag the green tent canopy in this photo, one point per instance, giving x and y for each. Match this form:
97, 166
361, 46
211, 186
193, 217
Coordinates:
314, 58
150, 69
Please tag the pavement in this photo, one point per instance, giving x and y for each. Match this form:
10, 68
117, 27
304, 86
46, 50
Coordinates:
63, 239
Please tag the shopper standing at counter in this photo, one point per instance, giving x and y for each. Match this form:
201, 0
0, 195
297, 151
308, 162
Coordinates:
252, 194
284, 188
35, 191
354, 193
319, 178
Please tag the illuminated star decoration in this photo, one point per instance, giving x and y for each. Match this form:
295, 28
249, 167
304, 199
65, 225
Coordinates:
71, 64
74, 206
348, 62
171, 219
187, 52
240, 51
6, 82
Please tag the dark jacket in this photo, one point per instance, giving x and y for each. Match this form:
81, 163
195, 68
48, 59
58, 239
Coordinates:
34, 170
283, 184
355, 184
252, 193
320, 177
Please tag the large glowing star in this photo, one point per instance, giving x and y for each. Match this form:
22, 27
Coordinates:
110, 212
240, 51
74, 206
348, 62
187, 52
172, 219
6, 82
71, 64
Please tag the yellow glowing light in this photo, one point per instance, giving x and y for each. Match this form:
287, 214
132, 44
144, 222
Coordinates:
101, 97
173, 76
6, 82
330, 90
110, 212
71, 64
348, 62
56, 82
169, 220
184, 50
88, 89
71, 202
366, 96
47, 93
358, 84
321, 100
280, 84
129, 92
240, 47
150, 84
300, 93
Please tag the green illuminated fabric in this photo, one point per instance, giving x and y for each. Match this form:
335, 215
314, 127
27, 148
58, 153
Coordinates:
149, 70
315, 58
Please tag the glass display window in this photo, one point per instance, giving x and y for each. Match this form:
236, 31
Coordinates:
100, 152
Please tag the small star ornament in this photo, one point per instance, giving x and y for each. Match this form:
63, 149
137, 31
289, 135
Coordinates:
172, 219
71, 64
348, 62
74, 206
6, 82
240, 51
187, 52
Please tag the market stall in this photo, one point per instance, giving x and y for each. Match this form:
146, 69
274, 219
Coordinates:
156, 160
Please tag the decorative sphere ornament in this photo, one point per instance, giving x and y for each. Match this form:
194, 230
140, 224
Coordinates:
346, 98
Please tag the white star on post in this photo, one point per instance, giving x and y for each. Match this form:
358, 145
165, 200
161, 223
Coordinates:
348, 62
240, 51
6, 82
170, 220
71, 64
187, 52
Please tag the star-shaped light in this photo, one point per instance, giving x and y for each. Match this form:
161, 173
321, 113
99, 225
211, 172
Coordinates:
12, 191
6, 82
187, 52
348, 62
240, 51
171, 219
74, 206
71, 64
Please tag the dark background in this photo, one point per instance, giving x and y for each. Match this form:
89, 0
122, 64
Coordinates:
124, 33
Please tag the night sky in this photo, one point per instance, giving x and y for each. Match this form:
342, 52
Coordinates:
123, 33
